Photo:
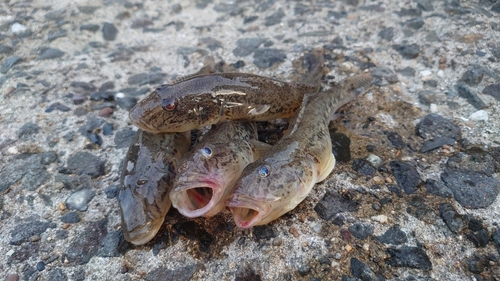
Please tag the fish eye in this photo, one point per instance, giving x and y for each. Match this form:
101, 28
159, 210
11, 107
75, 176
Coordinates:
206, 151
264, 171
168, 104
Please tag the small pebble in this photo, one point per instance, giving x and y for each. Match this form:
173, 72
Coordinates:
374, 160
106, 112
277, 242
378, 180
12, 277
294, 231
40, 266
479, 115
348, 248
380, 218
366, 247
424, 73
78, 200
17, 28
35, 238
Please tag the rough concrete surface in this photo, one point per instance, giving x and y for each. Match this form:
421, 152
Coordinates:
416, 200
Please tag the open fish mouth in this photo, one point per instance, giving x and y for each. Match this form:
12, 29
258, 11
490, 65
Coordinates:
246, 211
196, 199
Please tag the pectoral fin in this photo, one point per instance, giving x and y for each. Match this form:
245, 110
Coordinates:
258, 110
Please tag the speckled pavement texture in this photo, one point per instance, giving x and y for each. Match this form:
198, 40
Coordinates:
414, 197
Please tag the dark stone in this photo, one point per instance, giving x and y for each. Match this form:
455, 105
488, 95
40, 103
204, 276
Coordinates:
147, 78
179, 273
19, 168
304, 270
90, 27
406, 176
474, 159
332, 203
109, 31
396, 140
193, 231
496, 8
40, 266
471, 189
471, 97
34, 178
6, 50
425, 5
59, 106
475, 224
56, 274
50, 53
383, 76
435, 143
274, 18
496, 238
103, 95
453, 220
494, 51
246, 46
53, 35
408, 51
492, 90
126, 103
8, 63
95, 139
106, 86
74, 183
263, 232
411, 12
415, 23
212, 43
387, 33
85, 86
123, 138
268, 57
411, 257
112, 191
85, 246
71, 217
107, 129
62, 234
22, 232
113, 245
408, 72
437, 187
431, 83
85, 163
361, 230
28, 130
434, 126
363, 167
480, 239
55, 14
24, 252
477, 264
362, 271
341, 147
393, 235
473, 76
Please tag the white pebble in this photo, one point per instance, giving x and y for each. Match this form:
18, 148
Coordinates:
433, 108
12, 150
120, 95
380, 218
425, 73
17, 28
440, 73
374, 160
479, 115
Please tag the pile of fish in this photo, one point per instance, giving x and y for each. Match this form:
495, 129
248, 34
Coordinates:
229, 167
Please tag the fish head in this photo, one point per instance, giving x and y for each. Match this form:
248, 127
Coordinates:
266, 190
173, 109
205, 174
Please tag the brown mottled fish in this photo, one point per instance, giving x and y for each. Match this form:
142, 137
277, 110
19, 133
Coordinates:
147, 178
206, 173
284, 175
198, 101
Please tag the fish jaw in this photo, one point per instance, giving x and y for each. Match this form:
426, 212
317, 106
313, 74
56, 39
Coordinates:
198, 198
139, 227
247, 212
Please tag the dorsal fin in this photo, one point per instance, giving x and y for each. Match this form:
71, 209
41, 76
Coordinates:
208, 68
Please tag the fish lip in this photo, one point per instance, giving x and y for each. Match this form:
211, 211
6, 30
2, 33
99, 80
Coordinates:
239, 201
139, 122
145, 233
181, 190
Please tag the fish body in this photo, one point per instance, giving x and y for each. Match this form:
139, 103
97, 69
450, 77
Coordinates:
284, 175
206, 173
147, 177
202, 100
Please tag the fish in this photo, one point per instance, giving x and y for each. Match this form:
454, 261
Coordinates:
284, 175
202, 100
147, 178
206, 173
